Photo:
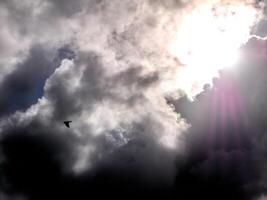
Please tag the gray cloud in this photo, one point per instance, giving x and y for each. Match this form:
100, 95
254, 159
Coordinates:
226, 149
87, 147
22, 88
25, 83
171, 4
124, 134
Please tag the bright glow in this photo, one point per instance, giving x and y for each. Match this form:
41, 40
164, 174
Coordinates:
208, 40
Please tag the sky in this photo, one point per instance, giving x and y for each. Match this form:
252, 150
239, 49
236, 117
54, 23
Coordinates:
167, 99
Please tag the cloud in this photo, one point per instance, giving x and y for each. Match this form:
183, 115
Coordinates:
225, 150
101, 64
171, 4
117, 125
26, 82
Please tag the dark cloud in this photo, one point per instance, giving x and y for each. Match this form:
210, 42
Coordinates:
39, 150
114, 148
36, 159
32, 161
224, 157
26, 82
225, 151
24, 86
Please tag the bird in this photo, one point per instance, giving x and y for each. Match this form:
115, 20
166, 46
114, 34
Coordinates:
67, 123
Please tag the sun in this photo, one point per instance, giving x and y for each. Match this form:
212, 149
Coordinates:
208, 39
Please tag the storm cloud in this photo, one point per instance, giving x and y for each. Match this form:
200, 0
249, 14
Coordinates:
102, 65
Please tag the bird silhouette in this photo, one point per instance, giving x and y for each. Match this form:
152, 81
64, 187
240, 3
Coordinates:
67, 123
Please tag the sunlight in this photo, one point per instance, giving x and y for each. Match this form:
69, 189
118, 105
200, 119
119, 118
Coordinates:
208, 40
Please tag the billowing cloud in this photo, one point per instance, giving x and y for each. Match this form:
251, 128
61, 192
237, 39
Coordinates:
26, 82
105, 66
